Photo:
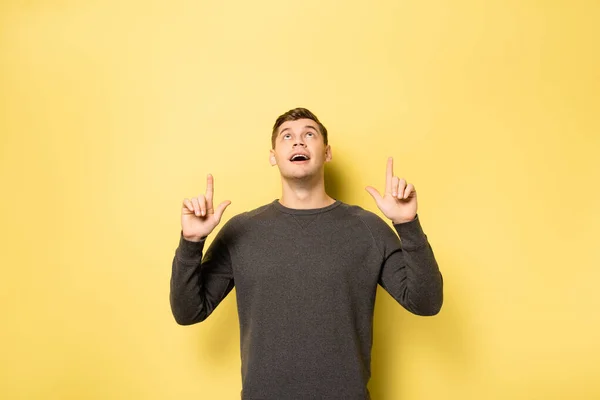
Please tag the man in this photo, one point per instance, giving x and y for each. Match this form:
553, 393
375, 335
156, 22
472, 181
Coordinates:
306, 269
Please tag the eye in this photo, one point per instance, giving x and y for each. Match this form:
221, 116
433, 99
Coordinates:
310, 133
286, 135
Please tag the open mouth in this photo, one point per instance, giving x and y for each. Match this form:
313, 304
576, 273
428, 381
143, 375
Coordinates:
299, 158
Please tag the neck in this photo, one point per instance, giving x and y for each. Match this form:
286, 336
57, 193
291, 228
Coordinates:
301, 194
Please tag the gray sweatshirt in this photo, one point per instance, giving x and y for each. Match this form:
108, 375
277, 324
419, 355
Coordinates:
305, 288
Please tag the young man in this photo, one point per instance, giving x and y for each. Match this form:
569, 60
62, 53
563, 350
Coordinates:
306, 269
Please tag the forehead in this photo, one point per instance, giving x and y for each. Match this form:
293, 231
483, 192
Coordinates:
298, 125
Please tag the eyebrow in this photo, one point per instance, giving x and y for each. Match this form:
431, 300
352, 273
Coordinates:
307, 126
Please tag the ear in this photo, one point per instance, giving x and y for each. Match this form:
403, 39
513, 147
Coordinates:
272, 159
328, 154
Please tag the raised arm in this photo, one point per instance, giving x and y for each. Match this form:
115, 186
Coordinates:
410, 273
198, 285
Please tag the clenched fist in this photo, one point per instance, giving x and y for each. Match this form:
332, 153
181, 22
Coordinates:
198, 216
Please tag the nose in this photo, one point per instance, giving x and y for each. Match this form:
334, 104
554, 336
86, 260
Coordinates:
300, 142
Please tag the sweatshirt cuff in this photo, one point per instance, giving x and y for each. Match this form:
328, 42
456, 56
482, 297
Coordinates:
188, 250
411, 234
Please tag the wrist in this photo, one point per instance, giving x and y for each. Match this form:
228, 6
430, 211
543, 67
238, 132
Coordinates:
194, 239
401, 221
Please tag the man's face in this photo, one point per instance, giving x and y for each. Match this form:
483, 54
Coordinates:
300, 150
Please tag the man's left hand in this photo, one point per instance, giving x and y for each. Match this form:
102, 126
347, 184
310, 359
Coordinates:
399, 203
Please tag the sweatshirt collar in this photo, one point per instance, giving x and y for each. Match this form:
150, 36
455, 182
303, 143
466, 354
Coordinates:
304, 211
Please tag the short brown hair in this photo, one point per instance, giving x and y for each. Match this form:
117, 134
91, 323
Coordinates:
293, 115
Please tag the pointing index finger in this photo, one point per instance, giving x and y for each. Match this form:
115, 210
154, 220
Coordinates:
389, 174
209, 189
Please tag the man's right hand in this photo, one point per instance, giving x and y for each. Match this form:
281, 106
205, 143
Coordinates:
198, 216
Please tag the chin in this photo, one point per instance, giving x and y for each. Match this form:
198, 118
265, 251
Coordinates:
294, 174
303, 175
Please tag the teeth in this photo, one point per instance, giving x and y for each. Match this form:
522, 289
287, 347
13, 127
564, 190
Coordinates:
299, 157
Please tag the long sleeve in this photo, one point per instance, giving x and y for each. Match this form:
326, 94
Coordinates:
199, 284
410, 273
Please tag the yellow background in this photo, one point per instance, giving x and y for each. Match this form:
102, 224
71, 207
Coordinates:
111, 112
